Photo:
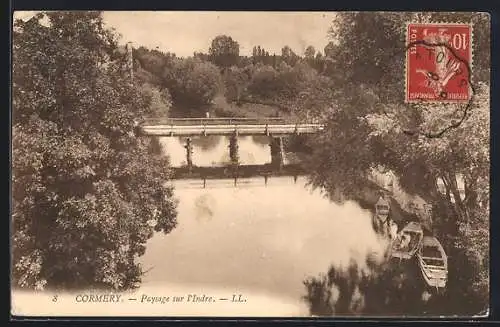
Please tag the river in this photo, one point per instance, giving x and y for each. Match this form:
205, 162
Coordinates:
245, 248
254, 239
253, 242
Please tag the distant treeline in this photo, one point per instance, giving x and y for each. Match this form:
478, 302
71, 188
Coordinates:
284, 81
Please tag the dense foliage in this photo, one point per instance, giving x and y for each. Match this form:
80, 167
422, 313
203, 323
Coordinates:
368, 128
224, 51
192, 83
356, 86
284, 81
85, 189
374, 289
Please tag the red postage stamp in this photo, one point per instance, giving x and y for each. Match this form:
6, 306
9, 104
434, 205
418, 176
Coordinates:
438, 62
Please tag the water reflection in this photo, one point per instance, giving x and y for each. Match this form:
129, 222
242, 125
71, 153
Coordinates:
259, 240
259, 139
207, 143
214, 150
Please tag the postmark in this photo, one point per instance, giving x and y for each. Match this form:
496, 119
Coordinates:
438, 63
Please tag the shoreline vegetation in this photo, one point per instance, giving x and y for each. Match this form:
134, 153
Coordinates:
74, 106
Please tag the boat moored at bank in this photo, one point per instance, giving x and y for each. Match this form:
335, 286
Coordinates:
433, 262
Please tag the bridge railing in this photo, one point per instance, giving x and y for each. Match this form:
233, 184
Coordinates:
218, 121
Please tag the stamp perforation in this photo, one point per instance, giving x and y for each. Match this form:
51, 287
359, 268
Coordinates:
469, 61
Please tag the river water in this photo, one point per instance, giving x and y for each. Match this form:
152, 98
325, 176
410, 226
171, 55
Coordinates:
246, 248
253, 242
257, 240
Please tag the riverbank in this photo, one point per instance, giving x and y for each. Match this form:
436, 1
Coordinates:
404, 207
402, 204
223, 108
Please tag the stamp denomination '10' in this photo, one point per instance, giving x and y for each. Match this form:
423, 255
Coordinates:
438, 62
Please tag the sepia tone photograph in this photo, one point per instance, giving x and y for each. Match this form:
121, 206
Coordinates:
250, 164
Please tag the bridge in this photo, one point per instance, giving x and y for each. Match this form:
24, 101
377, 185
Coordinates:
237, 172
225, 126
274, 128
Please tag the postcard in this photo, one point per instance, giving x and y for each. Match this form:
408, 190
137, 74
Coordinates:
250, 164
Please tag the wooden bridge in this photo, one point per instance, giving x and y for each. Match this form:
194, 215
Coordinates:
275, 128
237, 171
225, 126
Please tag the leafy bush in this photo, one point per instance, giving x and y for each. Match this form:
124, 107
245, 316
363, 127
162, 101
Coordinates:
192, 83
85, 189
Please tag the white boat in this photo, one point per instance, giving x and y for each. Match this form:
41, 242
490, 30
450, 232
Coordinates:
393, 229
408, 241
381, 218
433, 262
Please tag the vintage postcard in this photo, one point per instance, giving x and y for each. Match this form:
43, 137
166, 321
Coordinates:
250, 164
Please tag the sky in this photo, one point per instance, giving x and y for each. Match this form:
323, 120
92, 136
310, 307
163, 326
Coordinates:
184, 32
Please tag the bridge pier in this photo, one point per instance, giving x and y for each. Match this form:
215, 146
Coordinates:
233, 149
189, 153
277, 152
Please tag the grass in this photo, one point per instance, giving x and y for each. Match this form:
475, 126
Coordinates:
223, 108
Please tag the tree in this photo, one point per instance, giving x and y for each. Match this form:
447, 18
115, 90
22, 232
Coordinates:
319, 62
266, 60
254, 51
84, 188
192, 83
315, 97
289, 56
151, 64
160, 102
330, 49
286, 52
377, 289
153, 61
245, 61
309, 57
330, 59
369, 125
235, 82
224, 51
201, 56
369, 67
264, 82
299, 90
310, 52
